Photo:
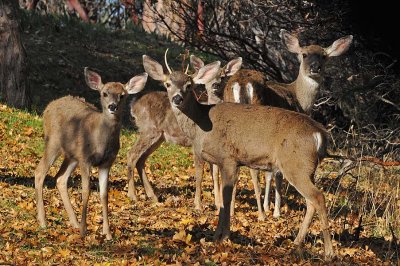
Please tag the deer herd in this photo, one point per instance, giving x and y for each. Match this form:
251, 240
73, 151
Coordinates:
247, 120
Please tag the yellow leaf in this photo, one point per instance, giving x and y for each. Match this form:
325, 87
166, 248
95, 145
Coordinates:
28, 131
46, 250
180, 236
64, 252
188, 238
224, 256
187, 221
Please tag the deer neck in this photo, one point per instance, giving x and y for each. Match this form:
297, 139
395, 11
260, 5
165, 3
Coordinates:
193, 116
305, 89
110, 122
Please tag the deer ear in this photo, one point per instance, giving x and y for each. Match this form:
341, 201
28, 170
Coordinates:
136, 84
153, 68
207, 73
291, 41
339, 46
232, 67
196, 62
93, 80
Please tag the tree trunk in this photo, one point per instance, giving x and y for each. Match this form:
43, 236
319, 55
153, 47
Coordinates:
14, 89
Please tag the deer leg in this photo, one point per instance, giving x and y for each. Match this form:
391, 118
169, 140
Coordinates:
199, 168
233, 197
140, 166
131, 184
103, 184
278, 194
229, 173
257, 191
62, 176
43, 167
217, 192
268, 178
141, 148
85, 169
315, 201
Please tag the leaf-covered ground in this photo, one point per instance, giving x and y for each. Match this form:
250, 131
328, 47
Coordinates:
169, 232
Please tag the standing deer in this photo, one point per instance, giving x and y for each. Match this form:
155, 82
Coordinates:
157, 123
232, 135
84, 136
251, 87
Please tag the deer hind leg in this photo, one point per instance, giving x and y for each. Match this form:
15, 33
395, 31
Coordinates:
137, 156
85, 170
140, 166
103, 184
67, 167
257, 191
50, 155
229, 174
315, 201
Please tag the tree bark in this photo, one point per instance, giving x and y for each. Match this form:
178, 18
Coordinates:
14, 89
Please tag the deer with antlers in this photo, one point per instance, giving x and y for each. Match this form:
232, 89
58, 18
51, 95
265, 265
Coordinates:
157, 123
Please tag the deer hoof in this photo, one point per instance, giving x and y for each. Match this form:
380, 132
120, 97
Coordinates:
261, 217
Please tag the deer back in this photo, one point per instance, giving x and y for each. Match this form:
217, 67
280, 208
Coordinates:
259, 136
252, 87
152, 112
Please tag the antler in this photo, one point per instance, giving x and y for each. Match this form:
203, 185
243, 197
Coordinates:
166, 63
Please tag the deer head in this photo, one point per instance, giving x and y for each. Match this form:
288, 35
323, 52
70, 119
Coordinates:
177, 83
313, 57
112, 94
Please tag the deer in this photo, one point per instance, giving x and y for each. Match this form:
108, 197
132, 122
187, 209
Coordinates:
86, 137
252, 87
231, 135
156, 123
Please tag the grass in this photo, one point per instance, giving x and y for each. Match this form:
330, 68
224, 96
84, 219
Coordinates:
143, 232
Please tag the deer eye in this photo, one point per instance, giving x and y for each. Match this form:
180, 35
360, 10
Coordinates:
121, 96
105, 94
167, 84
304, 55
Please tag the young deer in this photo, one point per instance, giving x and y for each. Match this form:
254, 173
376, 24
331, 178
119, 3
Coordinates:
84, 136
157, 123
250, 86
232, 135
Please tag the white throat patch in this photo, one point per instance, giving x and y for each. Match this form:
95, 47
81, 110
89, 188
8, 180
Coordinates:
236, 92
250, 91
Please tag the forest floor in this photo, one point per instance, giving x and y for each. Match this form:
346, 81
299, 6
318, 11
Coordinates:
363, 204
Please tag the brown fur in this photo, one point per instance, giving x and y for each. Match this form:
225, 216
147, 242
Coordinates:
69, 123
265, 92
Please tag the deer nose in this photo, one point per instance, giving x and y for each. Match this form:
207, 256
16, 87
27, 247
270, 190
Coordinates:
315, 67
113, 107
177, 99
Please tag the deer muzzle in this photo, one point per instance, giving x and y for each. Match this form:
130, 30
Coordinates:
177, 100
112, 108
